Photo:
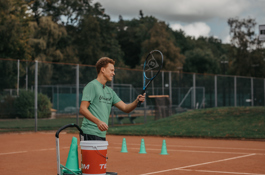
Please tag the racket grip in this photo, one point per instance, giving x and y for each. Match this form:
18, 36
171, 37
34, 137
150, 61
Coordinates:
139, 103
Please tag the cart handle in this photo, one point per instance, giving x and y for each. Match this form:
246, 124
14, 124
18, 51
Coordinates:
67, 126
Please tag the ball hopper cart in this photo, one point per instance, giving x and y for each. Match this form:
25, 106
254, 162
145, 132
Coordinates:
63, 170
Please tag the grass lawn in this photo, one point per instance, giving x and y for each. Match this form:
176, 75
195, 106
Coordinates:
227, 122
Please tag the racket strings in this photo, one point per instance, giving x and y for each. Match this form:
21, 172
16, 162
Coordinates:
153, 64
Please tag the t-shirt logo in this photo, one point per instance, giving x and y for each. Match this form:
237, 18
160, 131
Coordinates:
104, 99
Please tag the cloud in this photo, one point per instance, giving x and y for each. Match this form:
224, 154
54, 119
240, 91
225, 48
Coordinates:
227, 39
194, 29
176, 10
212, 13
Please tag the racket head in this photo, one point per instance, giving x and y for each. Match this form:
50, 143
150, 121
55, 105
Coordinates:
153, 64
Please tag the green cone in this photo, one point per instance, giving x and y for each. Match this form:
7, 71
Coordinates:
142, 148
164, 148
72, 159
124, 146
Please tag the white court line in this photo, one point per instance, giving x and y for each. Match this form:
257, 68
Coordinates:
18, 152
49, 149
201, 147
222, 160
195, 151
221, 172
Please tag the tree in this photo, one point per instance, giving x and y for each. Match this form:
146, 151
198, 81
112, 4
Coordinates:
44, 39
182, 41
247, 50
67, 12
14, 30
160, 38
14, 33
201, 61
131, 34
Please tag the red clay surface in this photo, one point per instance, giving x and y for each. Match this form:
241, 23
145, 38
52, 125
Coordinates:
35, 154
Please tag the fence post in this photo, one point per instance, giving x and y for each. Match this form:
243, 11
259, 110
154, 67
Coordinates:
57, 96
163, 83
194, 91
77, 94
153, 91
252, 92
36, 96
145, 118
112, 108
235, 92
26, 76
215, 91
170, 86
18, 77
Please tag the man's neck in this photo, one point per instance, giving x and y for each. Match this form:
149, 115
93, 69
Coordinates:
102, 80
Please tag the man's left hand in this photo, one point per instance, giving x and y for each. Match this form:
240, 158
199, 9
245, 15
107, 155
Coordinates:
141, 97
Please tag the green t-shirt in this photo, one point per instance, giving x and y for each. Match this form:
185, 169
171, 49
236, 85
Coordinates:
101, 100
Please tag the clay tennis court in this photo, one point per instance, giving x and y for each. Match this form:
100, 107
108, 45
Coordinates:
35, 154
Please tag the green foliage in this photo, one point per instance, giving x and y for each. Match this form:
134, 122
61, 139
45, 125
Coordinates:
201, 61
228, 122
247, 50
131, 35
7, 107
14, 30
24, 105
182, 41
8, 74
160, 38
44, 38
79, 31
210, 51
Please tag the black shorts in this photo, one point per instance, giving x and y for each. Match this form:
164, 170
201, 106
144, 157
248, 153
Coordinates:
93, 137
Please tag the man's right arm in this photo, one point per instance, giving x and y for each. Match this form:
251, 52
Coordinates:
102, 126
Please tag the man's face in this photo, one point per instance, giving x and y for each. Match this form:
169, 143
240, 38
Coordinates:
108, 71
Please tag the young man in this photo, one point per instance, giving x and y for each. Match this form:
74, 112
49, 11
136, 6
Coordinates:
98, 99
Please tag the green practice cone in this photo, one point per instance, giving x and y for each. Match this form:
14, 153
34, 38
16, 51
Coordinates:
72, 159
124, 146
142, 148
164, 148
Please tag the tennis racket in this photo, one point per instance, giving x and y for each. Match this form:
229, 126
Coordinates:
152, 66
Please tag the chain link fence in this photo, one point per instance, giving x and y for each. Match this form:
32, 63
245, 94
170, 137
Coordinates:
63, 85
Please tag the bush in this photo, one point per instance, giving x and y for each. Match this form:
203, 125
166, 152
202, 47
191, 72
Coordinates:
44, 106
24, 105
7, 107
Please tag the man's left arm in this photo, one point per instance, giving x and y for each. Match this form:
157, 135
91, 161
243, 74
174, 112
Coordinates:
127, 108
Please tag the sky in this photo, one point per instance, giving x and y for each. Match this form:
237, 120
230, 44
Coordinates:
195, 17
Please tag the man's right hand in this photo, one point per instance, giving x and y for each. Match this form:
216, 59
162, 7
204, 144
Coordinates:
102, 126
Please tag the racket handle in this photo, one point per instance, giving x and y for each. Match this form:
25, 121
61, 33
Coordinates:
139, 103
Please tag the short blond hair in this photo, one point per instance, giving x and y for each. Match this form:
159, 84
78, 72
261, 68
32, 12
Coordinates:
103, 62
